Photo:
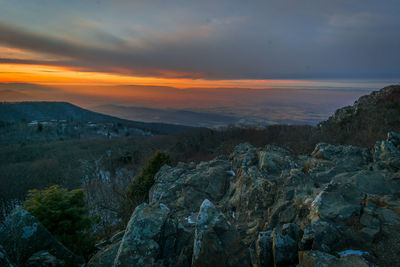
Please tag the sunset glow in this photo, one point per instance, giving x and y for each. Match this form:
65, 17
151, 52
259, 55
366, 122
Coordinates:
52, 75
133, 52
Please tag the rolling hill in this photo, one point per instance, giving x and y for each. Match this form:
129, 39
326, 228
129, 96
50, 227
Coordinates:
44, 111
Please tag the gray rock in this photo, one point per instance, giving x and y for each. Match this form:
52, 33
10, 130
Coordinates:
394, 138
140, 245
337, 202
117, 236
274, 160
347, 154
293, 231
45, 259
371, 227
315, 258
264, 253
185, 188
216, 242
387, 154
22, 235
284, 249
327, 238
106, 256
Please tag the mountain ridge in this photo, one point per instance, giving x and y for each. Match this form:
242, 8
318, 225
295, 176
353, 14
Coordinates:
367, 120
54, 110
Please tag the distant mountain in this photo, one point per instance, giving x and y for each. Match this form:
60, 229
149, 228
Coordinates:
29, 111
175, 116
369, 119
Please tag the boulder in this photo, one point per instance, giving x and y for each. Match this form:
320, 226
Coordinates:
293, 231
337, 202
105, 257
45, 259
216, 242
315, 258
264, 254
22, 235
184, 187
327, 237
394, 138
371, 227
387, 153
142, 241
284, 249
273, 160
168, 184
347, 154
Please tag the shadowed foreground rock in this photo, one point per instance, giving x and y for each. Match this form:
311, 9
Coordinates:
144, 237
22, 235
216, 241
4, 261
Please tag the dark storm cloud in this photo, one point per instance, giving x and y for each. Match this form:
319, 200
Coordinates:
221, 39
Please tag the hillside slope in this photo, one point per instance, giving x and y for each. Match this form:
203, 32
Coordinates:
369, 119
29, 111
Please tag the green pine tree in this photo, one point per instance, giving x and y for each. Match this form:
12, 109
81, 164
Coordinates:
137, 192
65, 215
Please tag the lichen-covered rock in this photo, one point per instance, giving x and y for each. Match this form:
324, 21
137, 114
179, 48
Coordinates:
106, 256
141, 244
275, 159
358, 156
387, 153
337, 202
216, 242
22, 235
45, 259
326, 237
315, 258
185, 187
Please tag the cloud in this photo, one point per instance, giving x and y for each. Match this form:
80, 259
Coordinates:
223, 40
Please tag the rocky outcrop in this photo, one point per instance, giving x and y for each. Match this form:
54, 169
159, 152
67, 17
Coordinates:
216, 241
106, 256
339, 206
44, 258
148, 235
317, 258
25, 240
368, 120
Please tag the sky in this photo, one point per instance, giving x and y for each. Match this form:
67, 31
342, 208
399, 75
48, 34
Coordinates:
73, 45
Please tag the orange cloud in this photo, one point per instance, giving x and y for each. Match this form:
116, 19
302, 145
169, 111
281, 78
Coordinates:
54, 75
